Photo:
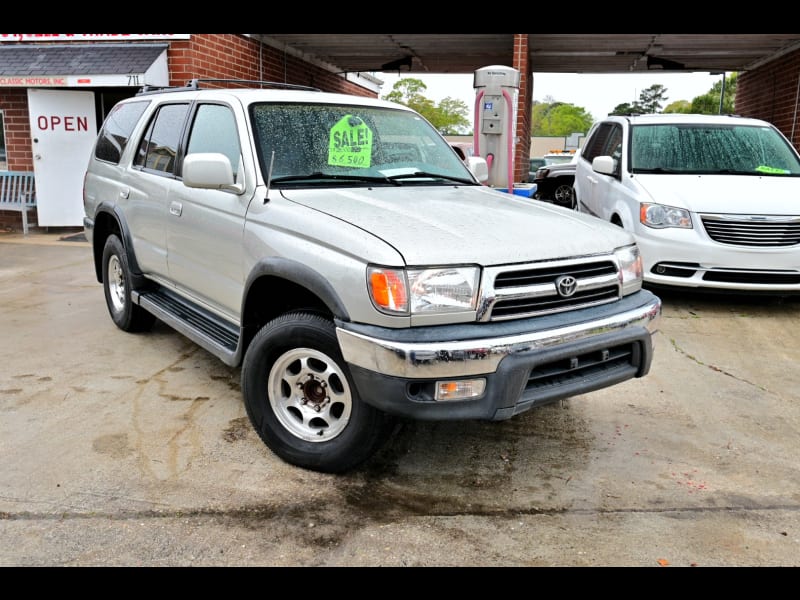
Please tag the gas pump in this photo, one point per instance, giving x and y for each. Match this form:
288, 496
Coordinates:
496, 90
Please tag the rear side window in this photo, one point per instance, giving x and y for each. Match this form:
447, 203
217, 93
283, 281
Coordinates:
158, 149
116, 130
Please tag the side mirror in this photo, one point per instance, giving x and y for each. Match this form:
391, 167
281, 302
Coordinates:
479, 168
209, 170
604, 165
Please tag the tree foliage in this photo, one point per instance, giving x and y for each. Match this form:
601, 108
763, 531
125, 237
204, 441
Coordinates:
651, 98
626, 109
708, 103
679, 106
649, 101
556, 119
449, 116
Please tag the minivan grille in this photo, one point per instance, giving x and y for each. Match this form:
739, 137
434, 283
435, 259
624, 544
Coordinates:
761, 231
517, 292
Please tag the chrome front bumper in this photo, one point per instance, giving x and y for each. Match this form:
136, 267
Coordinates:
470, 357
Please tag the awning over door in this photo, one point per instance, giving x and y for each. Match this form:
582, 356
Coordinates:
84, 65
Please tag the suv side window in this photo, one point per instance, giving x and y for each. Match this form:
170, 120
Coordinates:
159, 146
116, 131
214, 130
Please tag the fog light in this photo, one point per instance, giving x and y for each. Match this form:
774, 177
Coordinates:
460, 390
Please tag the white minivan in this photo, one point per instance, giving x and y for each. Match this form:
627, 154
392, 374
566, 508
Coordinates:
713, 200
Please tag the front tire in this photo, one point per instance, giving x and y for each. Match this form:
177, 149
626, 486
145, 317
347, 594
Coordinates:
301, 399
117, 288
564, 195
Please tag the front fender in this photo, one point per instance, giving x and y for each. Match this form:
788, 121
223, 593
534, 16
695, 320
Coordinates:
303, 276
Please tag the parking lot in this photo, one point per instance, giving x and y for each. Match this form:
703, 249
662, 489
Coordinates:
122, 449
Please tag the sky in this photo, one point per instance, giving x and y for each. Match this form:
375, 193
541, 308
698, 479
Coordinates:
598, 94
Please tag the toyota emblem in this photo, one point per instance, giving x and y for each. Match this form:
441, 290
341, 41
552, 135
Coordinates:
566, 286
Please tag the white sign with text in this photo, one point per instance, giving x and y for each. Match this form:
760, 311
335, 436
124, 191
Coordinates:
63, 130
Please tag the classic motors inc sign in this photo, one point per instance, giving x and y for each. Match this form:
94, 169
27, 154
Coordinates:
89, 37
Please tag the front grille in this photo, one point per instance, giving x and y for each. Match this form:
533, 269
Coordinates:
590, 365
758, 231
759, 277
523, 291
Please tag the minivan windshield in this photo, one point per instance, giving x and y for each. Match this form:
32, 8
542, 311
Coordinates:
711, 149
335, 144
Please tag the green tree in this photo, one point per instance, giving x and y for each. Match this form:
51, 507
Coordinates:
449, 116
708, 103
627, 109
556, 119
679, 106
650, 99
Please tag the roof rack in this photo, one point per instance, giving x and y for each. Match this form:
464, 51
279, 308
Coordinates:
194, 84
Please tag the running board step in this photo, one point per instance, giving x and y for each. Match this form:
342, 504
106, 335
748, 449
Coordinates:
199, 325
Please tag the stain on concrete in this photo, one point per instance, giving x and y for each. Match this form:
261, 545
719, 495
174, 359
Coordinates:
238, 429
114, 445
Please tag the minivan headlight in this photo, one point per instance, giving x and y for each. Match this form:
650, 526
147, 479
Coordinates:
661, 216
630, 268
424, 291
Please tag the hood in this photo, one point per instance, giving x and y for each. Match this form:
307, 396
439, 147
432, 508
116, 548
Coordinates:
731, 194
463, 224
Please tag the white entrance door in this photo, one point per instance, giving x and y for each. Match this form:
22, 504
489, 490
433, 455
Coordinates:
63, 130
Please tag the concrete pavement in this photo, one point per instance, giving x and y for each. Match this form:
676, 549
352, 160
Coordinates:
127, 450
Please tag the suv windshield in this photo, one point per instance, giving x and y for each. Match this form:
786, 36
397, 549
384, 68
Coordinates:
704, 148
350, 145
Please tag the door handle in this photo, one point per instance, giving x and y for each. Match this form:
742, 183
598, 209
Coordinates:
175, 208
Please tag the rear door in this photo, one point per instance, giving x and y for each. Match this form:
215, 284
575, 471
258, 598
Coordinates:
147, 185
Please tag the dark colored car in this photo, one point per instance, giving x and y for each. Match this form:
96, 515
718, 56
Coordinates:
554, 184
535, 164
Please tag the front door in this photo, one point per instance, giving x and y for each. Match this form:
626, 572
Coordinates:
63, 131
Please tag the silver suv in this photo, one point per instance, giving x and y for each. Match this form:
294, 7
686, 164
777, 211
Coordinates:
339, 251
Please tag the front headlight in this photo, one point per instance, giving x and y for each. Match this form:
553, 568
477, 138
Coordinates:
630, 268
660, 216
424, 291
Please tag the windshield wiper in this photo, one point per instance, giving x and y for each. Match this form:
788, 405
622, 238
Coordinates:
655, 170
416, 174
736, 172
325, 176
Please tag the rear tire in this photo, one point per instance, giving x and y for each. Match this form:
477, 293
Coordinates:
117, 288
301, 399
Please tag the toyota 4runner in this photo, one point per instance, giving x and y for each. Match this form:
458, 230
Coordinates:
339, 251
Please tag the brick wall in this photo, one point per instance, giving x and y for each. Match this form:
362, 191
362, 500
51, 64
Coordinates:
524, 102
233, 56
14, 103
770, 92
19, 156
